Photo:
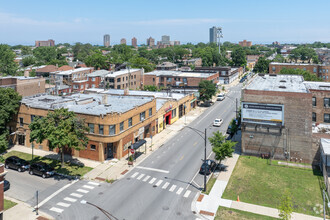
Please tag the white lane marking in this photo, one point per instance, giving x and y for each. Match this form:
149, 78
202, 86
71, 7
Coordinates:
93, 183
66, 205
56, 210
55, 193
140, 177
187, 193
135, 174
146, 178
152, 180
70, 199
172, 188
88, 187
76, 195
179, 191
165, 185
159, 182
82, 191
153, 169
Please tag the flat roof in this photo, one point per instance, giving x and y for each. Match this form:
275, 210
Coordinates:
325, 143
176, 73
121, 72
20, 77
279, 83
318, 85
99, 73
164, 95
91, 104
69, 72
295, 64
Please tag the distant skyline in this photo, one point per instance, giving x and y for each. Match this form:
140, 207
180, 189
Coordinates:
294, 21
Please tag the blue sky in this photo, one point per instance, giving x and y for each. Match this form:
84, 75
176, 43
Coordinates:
261, 21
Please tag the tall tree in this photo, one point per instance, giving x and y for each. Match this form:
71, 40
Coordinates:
28, 61
206, 90
7, 63
238, 57
26, 50
221, 148
262, 65
9, 104
45, 54
62, 128
140, 62
97, 60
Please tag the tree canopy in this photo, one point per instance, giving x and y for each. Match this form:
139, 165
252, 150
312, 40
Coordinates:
262, 65
7, 63
206, 90
221, 147
45, 54
97, 60
62, 128
304, 54
238, 57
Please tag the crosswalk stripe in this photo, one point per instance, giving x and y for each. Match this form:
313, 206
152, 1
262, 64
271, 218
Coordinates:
165, 185
93, 183
82, 191
146, 178
159, 182
70, 199
179, 191
56, 210
172, 188
88, 187
142, 175
187, 193
63, 204
135, 174
152, 180
76, 195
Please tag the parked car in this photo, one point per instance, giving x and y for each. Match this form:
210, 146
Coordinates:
218, 122
229, 130
207, 167
16, 163
243, 79
221, 97
41, 169
6, 185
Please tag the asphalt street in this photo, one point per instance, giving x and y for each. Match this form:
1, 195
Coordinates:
163, 186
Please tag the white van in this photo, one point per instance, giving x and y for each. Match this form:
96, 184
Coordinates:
221, 97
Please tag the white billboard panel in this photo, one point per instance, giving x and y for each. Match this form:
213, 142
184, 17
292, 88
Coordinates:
259, 113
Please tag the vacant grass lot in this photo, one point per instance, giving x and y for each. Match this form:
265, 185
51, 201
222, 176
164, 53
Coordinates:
8, 204
258, 183
234, 214
68, 169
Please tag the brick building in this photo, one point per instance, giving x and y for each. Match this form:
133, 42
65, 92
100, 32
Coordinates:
123, 41
151, 42
134, 42
277, 119
197, 62
245, 43
115, 122
177, 78
25, 86
46, 70
126, 78
67, 77
48, 43
321, 70
166, 66
96, 78
226, 74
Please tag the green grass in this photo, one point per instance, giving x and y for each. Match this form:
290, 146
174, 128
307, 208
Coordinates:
258, 183
234, 214
210, 184
68, 169
8, 204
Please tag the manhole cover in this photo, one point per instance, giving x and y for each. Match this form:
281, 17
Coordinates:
165, 208
154, 186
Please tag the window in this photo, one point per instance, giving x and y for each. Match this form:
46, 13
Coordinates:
142, 116
314, 101
101, 130
304, 68
150, 112
93, 79
126, 78
82, 86
118, 80
75, 86
327, 118
112, 129
32, 118
314, 69
121, 127
93, 147
173, 113
130, 122
93, 85
91, 128
314, 116
223, 73
21, 122
323, 70
153, 79
169, 79
134, 76
326, 102
118, 87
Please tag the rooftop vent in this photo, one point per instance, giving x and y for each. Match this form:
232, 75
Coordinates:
282, 87
272, 74
283, 81
261, 74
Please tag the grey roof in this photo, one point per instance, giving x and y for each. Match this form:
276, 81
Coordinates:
325, 143
175, 73
19, 77
279, 83
99, 73
160, 103
318, 85
122, 72
91, 104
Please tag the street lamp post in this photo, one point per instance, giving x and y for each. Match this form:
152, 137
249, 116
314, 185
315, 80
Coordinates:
106, 213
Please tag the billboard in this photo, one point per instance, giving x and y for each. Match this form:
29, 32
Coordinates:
259, 113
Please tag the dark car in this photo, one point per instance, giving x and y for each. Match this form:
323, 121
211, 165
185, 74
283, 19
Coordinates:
229, 130
41, 169
6, 185
208, 167
17, 163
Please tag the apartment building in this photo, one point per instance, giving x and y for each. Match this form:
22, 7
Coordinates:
151, 42
126, 78
226, 74
48, 43
69, 76
134, 42
24, 85
245, 43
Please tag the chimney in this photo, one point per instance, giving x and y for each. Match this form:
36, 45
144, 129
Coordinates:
105, 99
26, 73
126, 91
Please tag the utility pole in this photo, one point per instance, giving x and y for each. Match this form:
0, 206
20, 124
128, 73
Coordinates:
204, 162
219, 35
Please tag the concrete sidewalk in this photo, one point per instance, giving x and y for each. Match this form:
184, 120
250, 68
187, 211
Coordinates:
209, 204
23, 211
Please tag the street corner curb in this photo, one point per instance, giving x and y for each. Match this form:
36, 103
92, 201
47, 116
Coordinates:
194, 204
69, 176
